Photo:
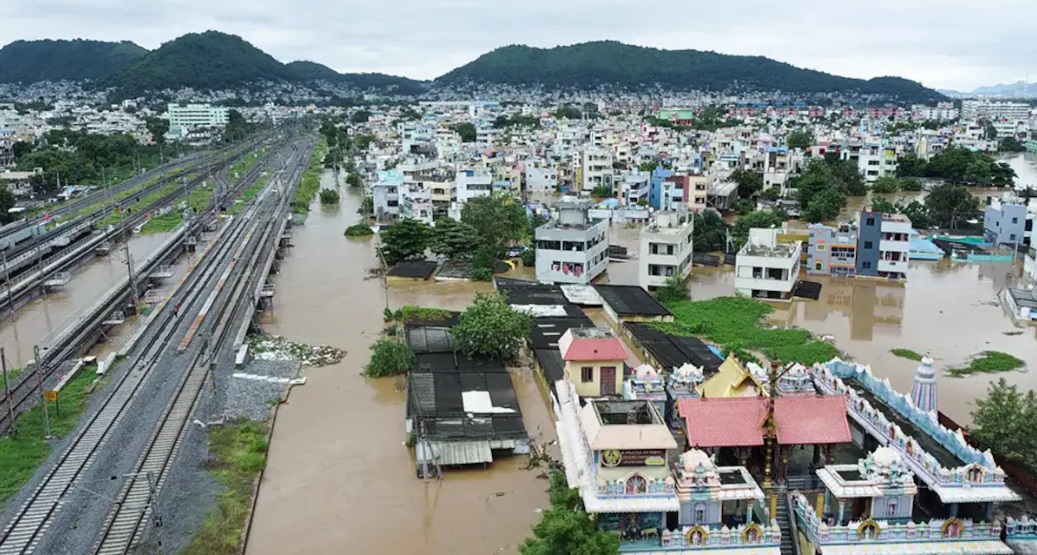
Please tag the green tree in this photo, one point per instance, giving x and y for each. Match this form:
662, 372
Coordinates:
885, 184
911, 166
918, 214
366, 207
329, 196
497, 219
978, 171
390, 358
567, 112
882, 205
801, 139
360, 116
910, 184
674, 289
405, 239
354, 180
158, 128
491, 328
1004, 421
1002, 175
566, 528
467, 132
709, 234
453, 239
848, 177
825, 205
1010, 144
753, 220
7, 202
948, 204
237, 128
749, 182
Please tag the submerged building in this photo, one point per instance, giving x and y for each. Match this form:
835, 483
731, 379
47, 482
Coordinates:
571, 248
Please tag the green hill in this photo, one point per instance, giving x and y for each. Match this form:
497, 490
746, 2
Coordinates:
209, 60
610, 63
312, 71
69, 60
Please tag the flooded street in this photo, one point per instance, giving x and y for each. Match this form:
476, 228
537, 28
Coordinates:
339, 478
48, 314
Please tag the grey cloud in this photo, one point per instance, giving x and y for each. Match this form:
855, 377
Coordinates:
951, 43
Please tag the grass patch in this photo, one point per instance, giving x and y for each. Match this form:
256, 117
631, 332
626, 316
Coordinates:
163, 224
422, 314
988, 362
734, 323
907, 353
239, 454
12, 375
20, 456
310, 184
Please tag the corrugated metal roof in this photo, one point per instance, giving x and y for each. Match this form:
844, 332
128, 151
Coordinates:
455, 453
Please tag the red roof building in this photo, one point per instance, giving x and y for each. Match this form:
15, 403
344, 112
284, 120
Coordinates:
590, 345
738, 421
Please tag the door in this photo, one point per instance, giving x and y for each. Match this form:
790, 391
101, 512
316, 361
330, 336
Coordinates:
607, 380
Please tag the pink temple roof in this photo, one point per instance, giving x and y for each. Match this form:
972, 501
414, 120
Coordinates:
738, 421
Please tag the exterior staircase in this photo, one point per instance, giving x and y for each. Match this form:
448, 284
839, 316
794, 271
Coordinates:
784, 519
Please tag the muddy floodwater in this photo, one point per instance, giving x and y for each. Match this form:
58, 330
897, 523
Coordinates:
340, 480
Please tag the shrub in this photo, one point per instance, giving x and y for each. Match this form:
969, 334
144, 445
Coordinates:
482, 274
359, 230
329, 196
390, 358
529, 258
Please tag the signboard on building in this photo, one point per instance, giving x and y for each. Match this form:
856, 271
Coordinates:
612, 458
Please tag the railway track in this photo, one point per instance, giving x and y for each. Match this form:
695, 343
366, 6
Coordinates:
227, 263
24, 392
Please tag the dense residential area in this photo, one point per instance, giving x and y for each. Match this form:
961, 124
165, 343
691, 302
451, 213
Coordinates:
590, 299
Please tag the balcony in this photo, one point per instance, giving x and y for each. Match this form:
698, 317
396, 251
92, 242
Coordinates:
701, 537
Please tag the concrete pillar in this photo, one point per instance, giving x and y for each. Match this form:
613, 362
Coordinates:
749, 512
842, 508
821, 504
990, 512
954, 510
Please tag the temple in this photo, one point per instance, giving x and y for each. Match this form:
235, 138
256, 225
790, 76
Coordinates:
786, 459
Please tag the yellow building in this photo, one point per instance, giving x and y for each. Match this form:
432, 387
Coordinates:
594, 361
732, 380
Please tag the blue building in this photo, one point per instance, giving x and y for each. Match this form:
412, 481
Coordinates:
1006, 223
655, 191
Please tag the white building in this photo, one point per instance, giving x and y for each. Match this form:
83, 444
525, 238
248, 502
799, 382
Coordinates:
666, 248
468, 184
766, 267
992, 110
386, 195
416, 202
541, 180
197, 115
595, 168
894, 246
571, 249
877, 160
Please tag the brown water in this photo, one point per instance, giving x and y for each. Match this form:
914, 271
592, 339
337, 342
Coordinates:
339, 478
47, 315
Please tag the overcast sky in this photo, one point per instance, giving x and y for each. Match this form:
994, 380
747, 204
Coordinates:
956, 44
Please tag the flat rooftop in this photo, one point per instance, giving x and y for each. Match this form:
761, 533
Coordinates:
631, 300
626, 413
672, 351
778, 250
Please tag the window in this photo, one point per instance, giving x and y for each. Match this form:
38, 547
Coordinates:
817, 267
700, 513
1012, 237
891, 507
866, 265
1015, 220
870, 221
868, 245
587, 374
821, 247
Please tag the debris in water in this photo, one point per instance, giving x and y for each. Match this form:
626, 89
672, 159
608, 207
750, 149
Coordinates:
1015, 332
275, 347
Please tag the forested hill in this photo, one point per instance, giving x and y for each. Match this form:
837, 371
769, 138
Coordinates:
65, 60
610, 63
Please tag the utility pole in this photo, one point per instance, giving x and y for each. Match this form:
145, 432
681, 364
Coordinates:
7, 280
37, 364
7, 389
133, 279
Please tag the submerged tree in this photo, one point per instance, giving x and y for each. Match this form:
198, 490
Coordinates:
1004, 422
491, 328
405, 239
566, 527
